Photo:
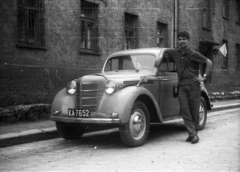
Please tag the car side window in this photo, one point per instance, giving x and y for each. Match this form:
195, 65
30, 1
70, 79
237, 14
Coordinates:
167, 65
112, 65
122, 63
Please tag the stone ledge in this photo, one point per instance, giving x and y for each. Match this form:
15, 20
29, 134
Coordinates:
31, 112
224, 95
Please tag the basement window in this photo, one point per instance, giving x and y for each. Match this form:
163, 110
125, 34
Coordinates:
31, 23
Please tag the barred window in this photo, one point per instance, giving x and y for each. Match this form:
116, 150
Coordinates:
207, 14
131, 35
89, 26
161, 35
31, 23
238, 11
226, 9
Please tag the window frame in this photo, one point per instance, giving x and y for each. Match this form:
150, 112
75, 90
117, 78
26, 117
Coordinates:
89, 24
238, 56
31, 24
226, 9
161, 35
170, 65
237, 11
130, 42
207, 17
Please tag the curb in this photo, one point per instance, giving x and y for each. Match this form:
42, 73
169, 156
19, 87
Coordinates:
28, 136
223, 107
51, 133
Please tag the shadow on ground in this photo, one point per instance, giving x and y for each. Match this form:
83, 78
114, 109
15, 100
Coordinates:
113, 140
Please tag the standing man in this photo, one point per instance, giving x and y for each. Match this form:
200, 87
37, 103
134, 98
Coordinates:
187, 62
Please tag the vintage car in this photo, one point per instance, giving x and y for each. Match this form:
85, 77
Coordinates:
129, 93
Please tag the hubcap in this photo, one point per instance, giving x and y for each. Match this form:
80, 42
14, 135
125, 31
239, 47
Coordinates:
201, 114
137, 124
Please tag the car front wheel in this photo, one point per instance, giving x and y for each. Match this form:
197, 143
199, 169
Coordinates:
70, 131
135, 132
202, 114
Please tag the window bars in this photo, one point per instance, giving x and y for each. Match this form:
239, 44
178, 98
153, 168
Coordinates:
89, 26
31, 23
131, 37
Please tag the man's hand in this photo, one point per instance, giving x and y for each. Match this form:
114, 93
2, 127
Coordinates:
199, 79
157, 63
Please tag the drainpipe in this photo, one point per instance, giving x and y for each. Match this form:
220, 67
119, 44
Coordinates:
173, 25
176, 21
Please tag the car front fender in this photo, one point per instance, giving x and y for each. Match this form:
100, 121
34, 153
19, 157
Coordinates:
122, 102
62, 101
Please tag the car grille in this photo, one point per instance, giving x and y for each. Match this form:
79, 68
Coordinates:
87, 96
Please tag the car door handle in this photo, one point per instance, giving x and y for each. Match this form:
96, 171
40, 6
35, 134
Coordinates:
163, 79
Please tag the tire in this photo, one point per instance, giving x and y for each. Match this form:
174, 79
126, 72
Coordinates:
70, 131
136, 131
202, 114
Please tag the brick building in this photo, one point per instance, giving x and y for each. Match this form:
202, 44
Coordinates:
44, 43
211, 24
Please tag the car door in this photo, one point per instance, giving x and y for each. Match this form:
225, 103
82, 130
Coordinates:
167, 74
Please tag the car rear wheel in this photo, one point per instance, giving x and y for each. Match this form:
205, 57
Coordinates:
202, 114
135, 132
70, 131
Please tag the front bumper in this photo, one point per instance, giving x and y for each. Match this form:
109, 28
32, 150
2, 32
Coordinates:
85, 120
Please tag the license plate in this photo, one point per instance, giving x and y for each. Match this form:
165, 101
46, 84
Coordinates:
82, 113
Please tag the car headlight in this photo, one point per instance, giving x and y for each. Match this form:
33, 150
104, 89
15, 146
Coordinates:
110, 87
72, 87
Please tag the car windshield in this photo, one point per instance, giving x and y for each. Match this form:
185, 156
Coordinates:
131, 62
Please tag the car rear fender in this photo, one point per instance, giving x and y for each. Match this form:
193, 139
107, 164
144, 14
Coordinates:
205, 96
122, 102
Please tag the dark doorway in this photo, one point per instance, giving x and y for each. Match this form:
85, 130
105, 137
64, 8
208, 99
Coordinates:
206, 49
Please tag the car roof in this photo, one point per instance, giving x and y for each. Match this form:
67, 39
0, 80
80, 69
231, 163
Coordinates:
155, 51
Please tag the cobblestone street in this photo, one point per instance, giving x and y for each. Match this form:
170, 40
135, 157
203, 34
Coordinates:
165, 149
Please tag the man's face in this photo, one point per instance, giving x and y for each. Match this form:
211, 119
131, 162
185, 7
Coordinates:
183, 42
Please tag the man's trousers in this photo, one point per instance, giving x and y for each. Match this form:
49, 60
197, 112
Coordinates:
189, 99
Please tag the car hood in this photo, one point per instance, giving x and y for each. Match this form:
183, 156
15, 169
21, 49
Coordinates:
122, 78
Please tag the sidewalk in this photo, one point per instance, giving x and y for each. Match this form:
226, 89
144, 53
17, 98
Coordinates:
11, 134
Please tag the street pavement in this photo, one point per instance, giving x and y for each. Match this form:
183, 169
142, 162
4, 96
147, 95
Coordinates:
35, 131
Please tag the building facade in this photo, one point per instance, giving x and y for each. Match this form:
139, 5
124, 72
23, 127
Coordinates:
45, 44
213, 23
